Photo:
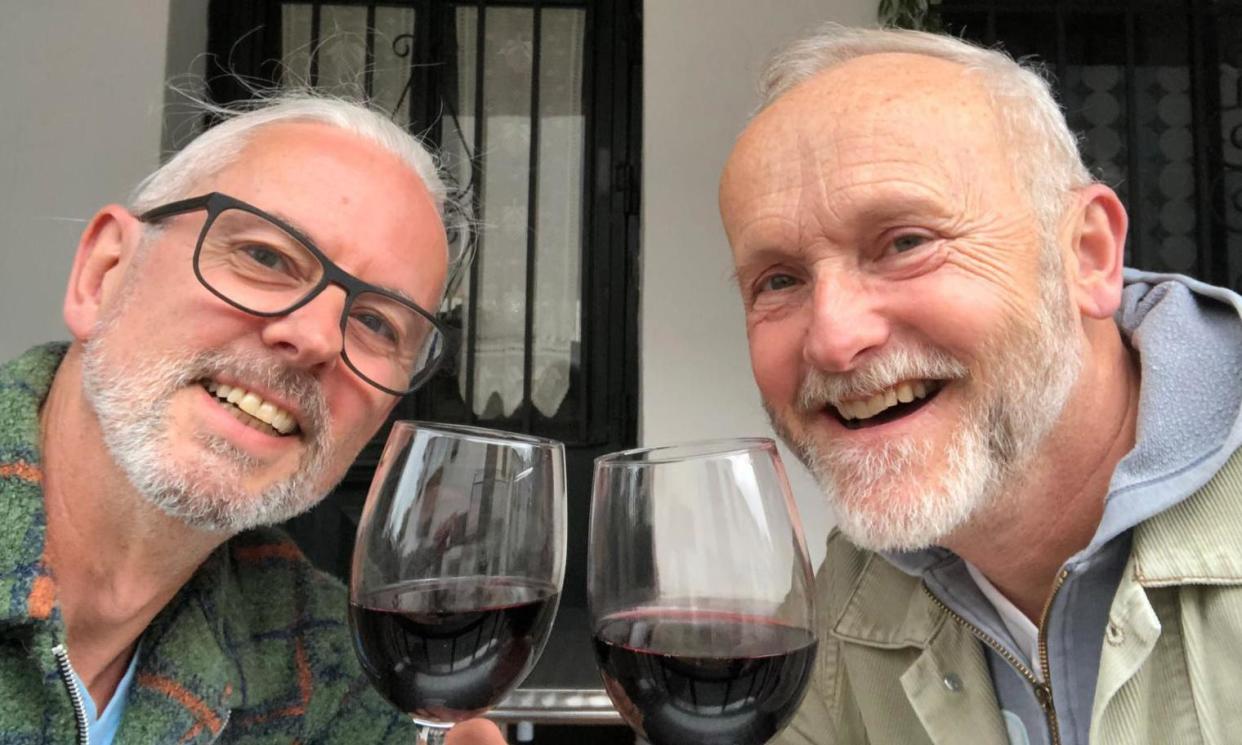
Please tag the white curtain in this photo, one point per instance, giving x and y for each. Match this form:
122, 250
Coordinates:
502, 301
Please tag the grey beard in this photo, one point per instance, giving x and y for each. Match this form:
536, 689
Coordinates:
876, 494
131, 404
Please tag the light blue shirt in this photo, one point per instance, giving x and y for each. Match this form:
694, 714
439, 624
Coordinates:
102, 727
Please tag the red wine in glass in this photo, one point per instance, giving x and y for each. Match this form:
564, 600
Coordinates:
449, 650
702, 677
701, 592
457, 569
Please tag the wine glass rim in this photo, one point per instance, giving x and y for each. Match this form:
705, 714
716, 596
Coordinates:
692, 450
481, 433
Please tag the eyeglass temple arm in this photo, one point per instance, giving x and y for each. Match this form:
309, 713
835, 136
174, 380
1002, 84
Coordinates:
176, 208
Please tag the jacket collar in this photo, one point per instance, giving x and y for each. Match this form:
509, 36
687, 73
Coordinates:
1197, 541
181, 631
909, 619
27, 592
885, 609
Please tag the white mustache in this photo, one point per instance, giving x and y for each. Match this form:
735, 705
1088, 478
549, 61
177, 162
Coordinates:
820, 388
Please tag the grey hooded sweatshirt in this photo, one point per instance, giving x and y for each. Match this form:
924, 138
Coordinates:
1188, 338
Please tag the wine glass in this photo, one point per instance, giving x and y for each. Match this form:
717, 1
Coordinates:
457, 568
700, 591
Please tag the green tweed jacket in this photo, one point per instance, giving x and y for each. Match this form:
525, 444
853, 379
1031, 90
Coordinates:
254, 649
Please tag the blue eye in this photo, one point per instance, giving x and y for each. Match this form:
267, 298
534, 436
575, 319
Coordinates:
376, 324
777, 282
266, 256
908, 242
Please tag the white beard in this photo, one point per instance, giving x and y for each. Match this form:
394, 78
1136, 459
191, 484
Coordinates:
131, 402
883, 498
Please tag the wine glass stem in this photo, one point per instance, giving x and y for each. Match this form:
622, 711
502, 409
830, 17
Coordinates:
431, 735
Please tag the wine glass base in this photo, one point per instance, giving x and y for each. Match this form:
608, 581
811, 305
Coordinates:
431, 733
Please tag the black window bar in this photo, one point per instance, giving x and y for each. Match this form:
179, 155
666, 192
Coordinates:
1180, 170
247, 40
599, 411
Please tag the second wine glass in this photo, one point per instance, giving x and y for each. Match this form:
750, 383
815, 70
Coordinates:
457, 569
700, 592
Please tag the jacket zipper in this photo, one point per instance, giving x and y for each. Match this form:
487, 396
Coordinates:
65, 668
227, 715
66, 675
1043, 691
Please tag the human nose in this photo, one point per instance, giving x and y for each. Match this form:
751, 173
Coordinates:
310, 336
846, 323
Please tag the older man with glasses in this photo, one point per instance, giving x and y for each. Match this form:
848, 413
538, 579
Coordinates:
240, 330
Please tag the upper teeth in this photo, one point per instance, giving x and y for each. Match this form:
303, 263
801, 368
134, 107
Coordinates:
886, 399
279, 419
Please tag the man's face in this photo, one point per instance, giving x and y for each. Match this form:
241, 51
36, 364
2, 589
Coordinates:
164, 343
910, 337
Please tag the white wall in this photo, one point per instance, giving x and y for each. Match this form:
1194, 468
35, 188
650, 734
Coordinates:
701, 59
83, 86
185, 69
82, 90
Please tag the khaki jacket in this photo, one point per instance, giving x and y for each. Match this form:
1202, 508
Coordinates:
895, 667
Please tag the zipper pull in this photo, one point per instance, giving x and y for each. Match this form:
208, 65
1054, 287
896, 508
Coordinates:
1043, 692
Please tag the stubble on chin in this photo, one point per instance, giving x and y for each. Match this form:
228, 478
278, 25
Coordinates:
203, 489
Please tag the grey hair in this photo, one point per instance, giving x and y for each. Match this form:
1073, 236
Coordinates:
1044, 150
218, 147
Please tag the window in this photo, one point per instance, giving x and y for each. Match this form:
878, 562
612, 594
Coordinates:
536, 105
1154, 89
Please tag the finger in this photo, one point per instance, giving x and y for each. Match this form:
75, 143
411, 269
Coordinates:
475, 732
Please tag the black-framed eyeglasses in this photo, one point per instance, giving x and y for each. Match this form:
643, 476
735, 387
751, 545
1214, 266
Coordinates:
259, 264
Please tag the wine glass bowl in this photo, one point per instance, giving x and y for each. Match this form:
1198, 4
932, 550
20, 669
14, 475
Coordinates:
457, 568
700, 591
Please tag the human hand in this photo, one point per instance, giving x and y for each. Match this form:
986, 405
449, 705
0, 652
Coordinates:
475, 732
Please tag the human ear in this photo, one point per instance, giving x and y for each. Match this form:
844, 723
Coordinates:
102, 257
1097, 249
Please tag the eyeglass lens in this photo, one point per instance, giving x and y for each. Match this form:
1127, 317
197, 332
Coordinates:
262, 268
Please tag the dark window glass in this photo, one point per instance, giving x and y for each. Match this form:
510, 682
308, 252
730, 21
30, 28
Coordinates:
1152, 88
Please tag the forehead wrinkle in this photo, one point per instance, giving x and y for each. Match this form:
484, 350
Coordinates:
813, 208
872, 108
851, 131
866, 157
895, 192
872, 199
766, 225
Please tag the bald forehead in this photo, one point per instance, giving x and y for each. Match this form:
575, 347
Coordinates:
880, 88
877, 78
875, 108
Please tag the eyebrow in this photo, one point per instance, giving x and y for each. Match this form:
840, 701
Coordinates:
405, 296
894, 202
762, 257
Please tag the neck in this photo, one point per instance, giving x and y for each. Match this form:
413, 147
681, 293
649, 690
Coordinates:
116, 559
1054, 509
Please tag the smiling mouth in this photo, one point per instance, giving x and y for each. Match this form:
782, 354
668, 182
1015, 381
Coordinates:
251, 410
888, 405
